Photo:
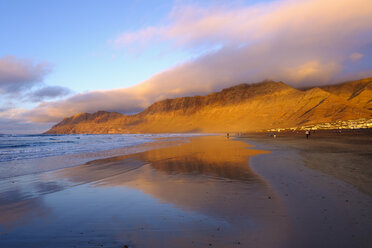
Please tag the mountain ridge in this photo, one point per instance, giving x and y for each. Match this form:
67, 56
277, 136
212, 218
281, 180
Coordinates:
357, 92
244, 107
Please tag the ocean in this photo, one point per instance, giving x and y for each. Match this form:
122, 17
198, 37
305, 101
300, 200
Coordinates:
32, 153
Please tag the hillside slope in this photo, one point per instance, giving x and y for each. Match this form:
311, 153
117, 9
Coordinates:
240, 108
357, 92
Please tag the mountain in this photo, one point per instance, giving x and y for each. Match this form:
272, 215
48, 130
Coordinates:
357, 92
240, 108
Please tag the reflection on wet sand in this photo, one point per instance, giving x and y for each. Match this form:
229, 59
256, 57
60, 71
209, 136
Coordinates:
196, 194
14, 214
212, 156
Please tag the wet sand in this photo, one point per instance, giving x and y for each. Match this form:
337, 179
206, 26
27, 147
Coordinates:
196, 194
38, 165
346, 156
208, 192
324, 182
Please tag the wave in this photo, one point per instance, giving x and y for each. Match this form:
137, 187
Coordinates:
21, 147
5, 146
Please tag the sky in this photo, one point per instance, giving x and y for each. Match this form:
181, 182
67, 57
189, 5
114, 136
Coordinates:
58, 58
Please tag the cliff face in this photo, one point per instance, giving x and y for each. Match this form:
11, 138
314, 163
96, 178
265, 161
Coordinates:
237, 109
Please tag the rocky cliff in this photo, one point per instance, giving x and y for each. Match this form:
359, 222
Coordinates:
240, 108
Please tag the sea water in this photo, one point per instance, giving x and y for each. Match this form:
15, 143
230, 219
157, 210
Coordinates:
25, 154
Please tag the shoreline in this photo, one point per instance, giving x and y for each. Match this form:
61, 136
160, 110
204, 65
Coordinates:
16, 168
193, 194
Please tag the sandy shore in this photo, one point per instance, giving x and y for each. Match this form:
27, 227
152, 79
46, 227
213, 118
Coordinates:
324, 182
346, 156
200, 193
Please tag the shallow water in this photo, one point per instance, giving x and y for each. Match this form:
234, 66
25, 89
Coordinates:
196, 194
20, 147
27, 154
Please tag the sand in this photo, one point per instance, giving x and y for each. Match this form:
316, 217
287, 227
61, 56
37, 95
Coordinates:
346, 155
207, 192
324, 182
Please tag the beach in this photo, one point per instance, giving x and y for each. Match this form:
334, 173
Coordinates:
325, 183
206, 191
186, 124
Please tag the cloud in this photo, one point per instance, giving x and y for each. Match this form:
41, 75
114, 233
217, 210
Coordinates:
11, 113
22, 80
302, 42
312, 71
48, 92
20, 126
356, 56
17, 75
14, 121
122, 100
306, 20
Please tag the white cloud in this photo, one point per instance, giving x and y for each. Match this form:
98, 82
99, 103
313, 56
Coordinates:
304, 20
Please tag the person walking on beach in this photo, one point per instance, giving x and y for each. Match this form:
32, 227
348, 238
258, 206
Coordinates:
307, 134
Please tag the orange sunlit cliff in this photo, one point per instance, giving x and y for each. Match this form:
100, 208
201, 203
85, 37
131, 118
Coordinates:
240, 108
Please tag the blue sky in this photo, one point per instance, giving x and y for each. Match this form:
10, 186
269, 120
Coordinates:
74, 37
166, 49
